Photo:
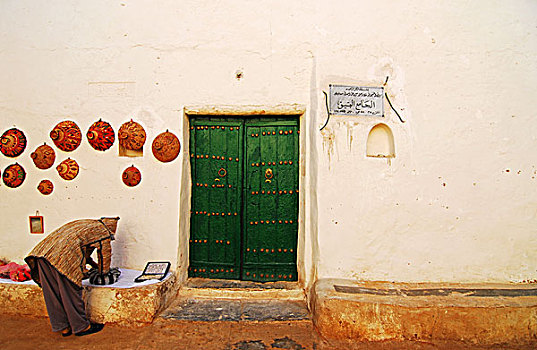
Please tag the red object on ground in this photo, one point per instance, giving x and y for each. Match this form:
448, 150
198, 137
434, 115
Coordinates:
15, 272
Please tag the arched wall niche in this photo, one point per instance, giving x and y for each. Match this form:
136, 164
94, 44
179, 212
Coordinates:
380, 142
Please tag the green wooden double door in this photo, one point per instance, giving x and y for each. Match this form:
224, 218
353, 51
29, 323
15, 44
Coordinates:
244, 216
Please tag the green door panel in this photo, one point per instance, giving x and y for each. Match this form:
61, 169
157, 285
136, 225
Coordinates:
271, 198
215, 154
244, 219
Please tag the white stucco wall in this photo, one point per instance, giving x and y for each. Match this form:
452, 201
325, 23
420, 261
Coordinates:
458, 203
57, 59
462, 76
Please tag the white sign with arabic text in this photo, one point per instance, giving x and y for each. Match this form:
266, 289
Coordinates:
357, 100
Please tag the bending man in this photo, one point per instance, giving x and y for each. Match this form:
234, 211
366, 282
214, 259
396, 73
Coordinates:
58, 265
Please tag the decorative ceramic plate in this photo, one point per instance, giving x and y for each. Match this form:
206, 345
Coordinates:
132, 176
45, 187
131, 135
43, 156
12, 142
166, 147
14, 175
66, 136
68, 169
101, 135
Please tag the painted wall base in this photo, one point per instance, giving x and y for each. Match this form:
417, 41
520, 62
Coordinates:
372, 311
485, 314
124, 306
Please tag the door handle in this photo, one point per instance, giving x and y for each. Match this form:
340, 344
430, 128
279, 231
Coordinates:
268, 175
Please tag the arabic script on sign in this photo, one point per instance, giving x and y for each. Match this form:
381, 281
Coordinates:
356, 100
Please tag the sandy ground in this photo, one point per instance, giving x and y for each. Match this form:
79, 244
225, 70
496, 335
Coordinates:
34, 333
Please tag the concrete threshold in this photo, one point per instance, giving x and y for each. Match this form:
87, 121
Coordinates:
379, 311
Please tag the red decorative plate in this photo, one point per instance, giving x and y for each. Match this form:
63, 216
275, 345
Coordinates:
101, 135
66, 136
45, 187
43, 156
131, 135
68, 169
132, 176
12, 142
166, 147
14, 175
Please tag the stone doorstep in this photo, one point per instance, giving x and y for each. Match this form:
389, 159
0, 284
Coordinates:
202, 288
210, 300
376, 311
125, 306
237, 310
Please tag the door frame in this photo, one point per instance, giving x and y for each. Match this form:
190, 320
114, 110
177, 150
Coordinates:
292, 111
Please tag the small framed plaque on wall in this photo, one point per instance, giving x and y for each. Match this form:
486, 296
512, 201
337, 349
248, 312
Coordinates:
36, 224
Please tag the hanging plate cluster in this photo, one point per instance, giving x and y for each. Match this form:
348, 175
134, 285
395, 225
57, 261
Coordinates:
67, 136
